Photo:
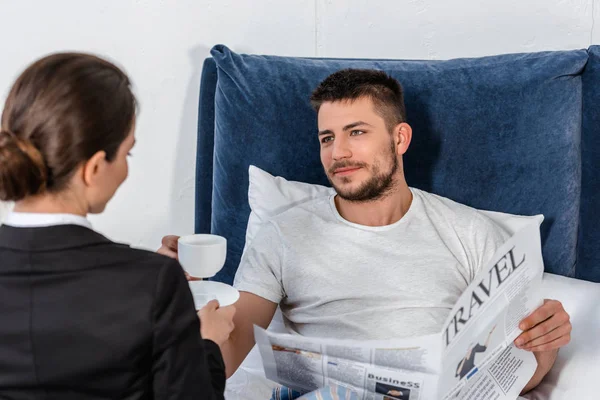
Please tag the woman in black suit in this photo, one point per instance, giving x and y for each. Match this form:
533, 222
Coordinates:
82, 317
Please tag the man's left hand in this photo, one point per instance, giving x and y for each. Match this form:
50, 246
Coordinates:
547, 328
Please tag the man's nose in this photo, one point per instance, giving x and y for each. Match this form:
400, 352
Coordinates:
341, 149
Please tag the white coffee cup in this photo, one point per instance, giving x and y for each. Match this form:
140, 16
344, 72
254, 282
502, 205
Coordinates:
202, 255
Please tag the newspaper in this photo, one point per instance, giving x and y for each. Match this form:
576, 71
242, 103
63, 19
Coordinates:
473, 358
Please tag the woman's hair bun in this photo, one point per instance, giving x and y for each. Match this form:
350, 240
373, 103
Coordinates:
22, 168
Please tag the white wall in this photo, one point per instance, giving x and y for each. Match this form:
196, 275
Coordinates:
162, 43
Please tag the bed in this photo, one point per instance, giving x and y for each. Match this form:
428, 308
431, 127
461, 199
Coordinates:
514, 133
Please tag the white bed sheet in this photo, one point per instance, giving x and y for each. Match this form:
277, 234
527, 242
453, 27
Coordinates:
572, 377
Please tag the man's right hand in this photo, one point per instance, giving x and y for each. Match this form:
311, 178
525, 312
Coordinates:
169, 246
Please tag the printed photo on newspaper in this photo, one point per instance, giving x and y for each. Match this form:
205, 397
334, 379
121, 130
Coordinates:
473, 358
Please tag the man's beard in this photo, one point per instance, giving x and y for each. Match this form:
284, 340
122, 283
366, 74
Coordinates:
379, 185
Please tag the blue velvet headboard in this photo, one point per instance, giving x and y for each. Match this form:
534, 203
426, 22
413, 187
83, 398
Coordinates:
516, 133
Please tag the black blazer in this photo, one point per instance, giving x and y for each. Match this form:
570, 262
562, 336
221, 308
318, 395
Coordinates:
82, 317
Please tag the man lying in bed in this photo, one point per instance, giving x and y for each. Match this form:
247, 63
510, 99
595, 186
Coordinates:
379, 259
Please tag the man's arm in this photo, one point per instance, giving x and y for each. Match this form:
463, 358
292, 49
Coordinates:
250, 310
546, 330
545, 361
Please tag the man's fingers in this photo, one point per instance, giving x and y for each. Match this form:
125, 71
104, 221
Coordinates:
553, 345
562, 330
549, 308
536, 332
547, 328
543, 328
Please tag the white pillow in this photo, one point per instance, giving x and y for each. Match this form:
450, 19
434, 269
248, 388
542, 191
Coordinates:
269, 196
577, 367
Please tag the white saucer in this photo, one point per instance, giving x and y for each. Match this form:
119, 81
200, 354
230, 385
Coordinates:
204, 291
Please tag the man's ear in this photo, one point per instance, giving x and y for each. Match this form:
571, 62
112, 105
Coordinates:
92, 168
402, 137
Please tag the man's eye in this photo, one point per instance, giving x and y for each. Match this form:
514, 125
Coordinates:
327, 139
357, 132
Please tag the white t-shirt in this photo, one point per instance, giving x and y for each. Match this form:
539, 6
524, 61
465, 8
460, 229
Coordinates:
334, 278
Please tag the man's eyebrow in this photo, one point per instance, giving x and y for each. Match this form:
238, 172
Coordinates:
346, 128
325, 132
355, 124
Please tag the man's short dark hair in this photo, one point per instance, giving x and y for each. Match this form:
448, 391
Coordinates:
352, 84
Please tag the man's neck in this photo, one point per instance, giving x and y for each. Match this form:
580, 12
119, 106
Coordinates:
384, 211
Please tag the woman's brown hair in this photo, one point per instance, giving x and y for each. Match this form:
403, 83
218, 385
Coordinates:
61, 110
